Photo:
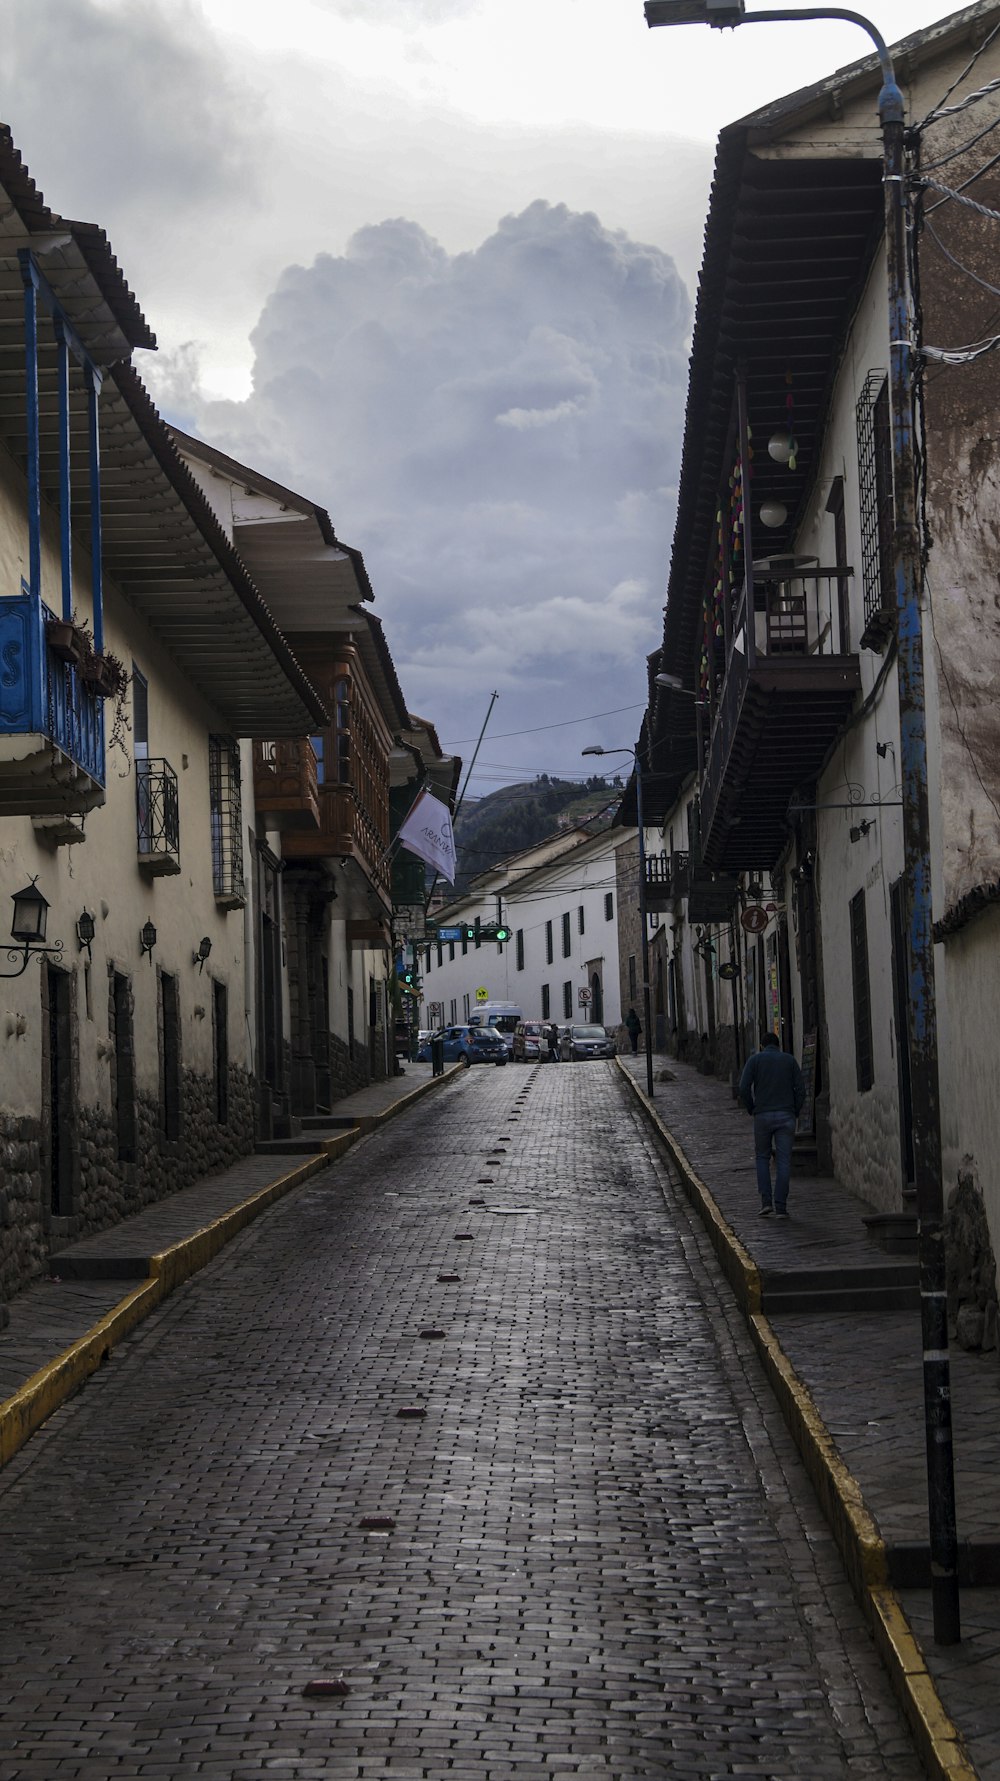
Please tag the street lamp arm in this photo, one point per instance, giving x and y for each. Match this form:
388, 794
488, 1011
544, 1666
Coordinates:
728, 16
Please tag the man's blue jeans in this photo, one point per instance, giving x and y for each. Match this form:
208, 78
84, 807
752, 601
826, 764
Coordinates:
777, 1129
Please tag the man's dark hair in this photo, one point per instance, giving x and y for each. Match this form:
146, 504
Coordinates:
769, 1039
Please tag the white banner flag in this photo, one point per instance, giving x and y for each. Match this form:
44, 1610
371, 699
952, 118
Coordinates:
427, 832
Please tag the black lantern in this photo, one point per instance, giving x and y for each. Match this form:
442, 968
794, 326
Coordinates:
204, 948
86, 928
31, 913
147, 940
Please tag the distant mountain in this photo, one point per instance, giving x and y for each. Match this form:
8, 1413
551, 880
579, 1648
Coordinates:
519, 816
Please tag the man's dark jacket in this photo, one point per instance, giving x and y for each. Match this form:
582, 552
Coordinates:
772, 1083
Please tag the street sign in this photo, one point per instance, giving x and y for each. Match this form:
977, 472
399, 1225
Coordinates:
482, 995
449, 934
583, 997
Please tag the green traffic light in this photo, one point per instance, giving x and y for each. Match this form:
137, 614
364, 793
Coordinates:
503, 934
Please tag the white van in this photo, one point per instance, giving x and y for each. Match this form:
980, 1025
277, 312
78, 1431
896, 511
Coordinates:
502, 1016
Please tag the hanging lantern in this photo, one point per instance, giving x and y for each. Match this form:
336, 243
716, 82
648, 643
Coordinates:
773, 514
781, 446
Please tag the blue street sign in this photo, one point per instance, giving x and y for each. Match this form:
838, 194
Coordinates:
449, 933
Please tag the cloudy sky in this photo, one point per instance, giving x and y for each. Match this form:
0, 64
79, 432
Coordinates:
431, 263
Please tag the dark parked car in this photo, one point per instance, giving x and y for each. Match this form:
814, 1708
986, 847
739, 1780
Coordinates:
592, 1041
467, 1045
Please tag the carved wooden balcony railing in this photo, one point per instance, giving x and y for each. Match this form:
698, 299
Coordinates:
286, 784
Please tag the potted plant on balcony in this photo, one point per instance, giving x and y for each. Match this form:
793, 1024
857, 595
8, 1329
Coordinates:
67, 639
106, 675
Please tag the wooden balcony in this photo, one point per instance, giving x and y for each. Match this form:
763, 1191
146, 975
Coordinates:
346, 831
666, 880
286, 785
787, 692
51, 722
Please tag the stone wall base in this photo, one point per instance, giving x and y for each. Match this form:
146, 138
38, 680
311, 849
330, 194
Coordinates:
110, 1189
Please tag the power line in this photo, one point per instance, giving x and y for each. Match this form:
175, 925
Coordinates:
956, 83
566, 724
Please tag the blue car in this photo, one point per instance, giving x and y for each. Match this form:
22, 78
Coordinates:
467, 1045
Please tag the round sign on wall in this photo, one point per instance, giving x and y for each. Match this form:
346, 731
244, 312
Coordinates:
755, 919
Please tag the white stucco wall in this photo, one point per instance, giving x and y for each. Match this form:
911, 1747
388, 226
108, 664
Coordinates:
582, 880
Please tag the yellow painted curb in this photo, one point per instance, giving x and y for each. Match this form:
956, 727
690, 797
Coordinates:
860, 1544
736, 1262
46, 1390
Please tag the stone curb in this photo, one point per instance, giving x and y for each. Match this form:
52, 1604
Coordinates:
46, 1390
855, 1531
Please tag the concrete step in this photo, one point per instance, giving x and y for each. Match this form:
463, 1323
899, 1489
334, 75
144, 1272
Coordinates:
287, 1146
884, 1286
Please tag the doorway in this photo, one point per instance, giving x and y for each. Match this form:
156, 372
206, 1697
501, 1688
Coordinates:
58, 1066
900, 1015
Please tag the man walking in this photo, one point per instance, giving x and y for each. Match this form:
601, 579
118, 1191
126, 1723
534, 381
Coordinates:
633, 1027
773, 1090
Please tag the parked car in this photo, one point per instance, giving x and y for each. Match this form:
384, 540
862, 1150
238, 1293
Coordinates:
531, 1042
590, 1041
466, 1045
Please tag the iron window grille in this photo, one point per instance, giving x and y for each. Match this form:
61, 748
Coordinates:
567, 938
875, 495
226, 802
158, 827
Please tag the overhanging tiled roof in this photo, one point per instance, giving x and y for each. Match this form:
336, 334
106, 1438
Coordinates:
162, 546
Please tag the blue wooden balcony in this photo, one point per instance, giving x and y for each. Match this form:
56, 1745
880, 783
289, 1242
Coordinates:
51, 724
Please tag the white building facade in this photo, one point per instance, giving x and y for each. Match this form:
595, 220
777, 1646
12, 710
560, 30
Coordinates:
559, 900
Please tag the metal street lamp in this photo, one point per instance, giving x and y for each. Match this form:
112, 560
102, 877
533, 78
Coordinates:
595, 748
921, 1004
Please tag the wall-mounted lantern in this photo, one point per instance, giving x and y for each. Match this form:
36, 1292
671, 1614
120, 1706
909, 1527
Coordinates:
204, 948
147, 940
86, 928
31, 914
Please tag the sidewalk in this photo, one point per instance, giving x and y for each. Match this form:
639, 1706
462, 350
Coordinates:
851, 1385
64, 1327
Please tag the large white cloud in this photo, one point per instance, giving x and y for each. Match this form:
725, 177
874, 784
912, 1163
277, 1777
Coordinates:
498, 432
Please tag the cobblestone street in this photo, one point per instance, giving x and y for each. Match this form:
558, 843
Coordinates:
495, 1334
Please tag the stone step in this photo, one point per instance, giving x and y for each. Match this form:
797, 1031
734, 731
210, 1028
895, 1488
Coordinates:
825, 1299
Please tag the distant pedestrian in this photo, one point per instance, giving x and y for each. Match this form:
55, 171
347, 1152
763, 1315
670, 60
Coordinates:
554, 1043
633, 1027
773, 1090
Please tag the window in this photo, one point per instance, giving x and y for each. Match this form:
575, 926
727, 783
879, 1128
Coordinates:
580, 918
863, 1049
451, 957
519, 949
440, 951
465, 942
546, 1007
227, 820
567, 937
350, 1024
549, 953
609, 907
631, 978
427, 959
453, 1014
835, 506
466, 1006
568, 1000
140, 714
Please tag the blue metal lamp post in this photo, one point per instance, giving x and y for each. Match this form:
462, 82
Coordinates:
916, 819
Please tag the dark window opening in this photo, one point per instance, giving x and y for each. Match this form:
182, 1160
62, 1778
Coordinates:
546, 1004
567, 936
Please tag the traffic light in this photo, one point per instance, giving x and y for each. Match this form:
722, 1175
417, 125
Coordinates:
502, 934
498, 931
